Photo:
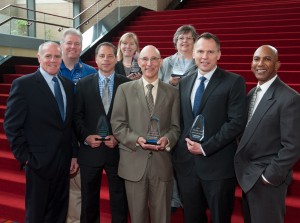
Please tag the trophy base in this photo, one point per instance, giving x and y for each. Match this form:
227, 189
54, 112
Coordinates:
177, 75
102, 139
152, 142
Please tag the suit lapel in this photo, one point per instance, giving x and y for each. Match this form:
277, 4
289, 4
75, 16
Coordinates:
47, 91
186, 91
264, 105
160, 97
215, 80
140, 92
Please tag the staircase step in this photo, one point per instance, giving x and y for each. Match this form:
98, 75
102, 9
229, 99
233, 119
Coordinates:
8, 78
25, 69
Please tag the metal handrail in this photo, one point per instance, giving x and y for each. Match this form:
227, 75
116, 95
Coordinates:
32, 20
87, 20
45, 13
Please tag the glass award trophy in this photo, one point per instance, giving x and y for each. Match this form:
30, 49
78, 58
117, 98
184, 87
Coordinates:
102, 128
197, 131
178, 66
153, 133
135, 68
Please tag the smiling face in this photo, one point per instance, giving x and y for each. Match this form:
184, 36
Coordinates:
185, 42
150, 62
49, 57
265, 63
206, 54
128, 47
106, 60
71, 46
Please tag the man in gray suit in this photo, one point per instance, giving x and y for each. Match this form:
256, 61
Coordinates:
147, 169
269, 147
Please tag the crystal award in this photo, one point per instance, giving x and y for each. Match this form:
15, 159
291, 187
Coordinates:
135, 68
153, 133
102, 128
178, 66
197, 131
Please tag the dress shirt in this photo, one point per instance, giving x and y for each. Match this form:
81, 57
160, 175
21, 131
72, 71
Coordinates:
48, 78
264, 87
154, 89
197, 83
110, 83
195, 87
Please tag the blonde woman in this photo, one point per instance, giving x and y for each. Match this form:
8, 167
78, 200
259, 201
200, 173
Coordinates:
127, 55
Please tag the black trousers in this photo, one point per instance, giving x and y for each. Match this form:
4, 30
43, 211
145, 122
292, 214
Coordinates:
46, 200
91, 178
198, 195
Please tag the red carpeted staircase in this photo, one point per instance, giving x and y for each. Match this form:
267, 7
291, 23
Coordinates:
241, 25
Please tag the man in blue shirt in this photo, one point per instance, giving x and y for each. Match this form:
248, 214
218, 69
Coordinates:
74, 69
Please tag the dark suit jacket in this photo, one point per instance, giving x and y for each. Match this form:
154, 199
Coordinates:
34, 127
119, 68
130, 120
223, 106
88, 109
270, 143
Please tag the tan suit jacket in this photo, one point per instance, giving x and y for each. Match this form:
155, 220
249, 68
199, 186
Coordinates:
130, 120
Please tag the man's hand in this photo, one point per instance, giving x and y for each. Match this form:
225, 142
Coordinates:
74, 166
93, 141
161, 144
193, 147
111, 141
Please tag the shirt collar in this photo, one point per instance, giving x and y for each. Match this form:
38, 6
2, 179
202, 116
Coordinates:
47, 76
207, 75
154, 83
265, 86
102, 77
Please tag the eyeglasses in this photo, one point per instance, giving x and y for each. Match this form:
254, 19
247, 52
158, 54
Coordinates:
185, 38
152, 59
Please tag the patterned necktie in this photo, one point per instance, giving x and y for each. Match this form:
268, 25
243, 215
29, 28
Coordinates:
198, 95
252, 103
149, 98
106, 95
59, 97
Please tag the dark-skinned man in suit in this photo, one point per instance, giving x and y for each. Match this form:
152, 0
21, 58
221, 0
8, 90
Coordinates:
270, 145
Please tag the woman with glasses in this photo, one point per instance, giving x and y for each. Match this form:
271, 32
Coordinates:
174, 67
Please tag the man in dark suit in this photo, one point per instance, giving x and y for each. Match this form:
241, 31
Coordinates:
147, 169
40, 135
94, 99
269, 147
205, 169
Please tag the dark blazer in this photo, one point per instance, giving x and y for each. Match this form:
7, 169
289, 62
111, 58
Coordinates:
34, 127
88, 109
119, 68
223, 106
270, 143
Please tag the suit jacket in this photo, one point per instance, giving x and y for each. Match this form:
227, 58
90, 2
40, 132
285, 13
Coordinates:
88, 109
119, 68
223, 106
34, 127
270, 143
130, 120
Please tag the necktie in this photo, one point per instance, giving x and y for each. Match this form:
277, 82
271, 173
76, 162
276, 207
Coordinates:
198, 95
149, 98
59, 97
106, 96
252, 103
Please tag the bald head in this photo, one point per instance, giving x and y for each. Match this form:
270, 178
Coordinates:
150, 62
265, 63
